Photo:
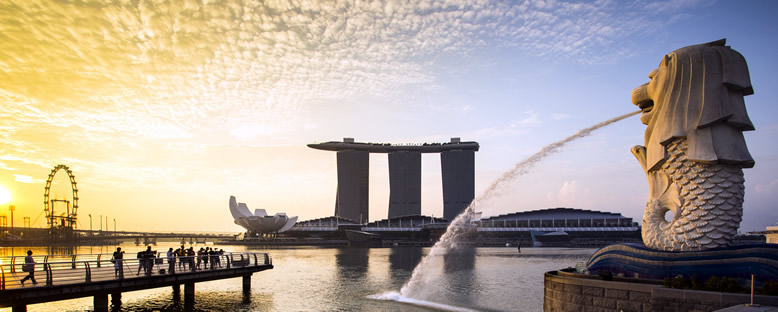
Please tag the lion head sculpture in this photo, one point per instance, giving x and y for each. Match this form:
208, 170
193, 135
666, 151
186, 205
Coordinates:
694, 147
697, 93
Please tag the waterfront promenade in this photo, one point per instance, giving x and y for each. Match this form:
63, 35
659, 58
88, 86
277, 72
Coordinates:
75, 276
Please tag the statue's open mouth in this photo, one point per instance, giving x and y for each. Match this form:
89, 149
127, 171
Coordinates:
646, 106
643, 101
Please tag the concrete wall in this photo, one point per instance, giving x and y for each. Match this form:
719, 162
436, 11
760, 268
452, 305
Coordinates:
353, 185
458, 171
404, 184
771, 235
573, 292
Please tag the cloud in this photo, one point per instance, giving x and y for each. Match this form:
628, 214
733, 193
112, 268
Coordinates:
531, 119
566, 195
767, 188
27, 179
561, 116
130, 76
5, 167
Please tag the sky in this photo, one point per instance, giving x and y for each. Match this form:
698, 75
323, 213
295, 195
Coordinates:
163, 109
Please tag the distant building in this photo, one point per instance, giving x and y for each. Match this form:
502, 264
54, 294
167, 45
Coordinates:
560, 219
404, 183
457, 160
771, 234
560, 227
547, 227
351, 200
259, 223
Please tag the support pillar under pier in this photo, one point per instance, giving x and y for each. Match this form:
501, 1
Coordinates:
101, 303
176, 292
189, 294
116, 300
19, 308
247, 283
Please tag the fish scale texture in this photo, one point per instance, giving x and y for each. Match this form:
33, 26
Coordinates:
711, 204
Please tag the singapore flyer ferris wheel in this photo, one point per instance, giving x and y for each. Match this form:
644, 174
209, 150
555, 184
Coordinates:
65, 219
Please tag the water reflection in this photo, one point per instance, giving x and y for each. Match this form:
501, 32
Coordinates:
458, 259
404, 258
328, 279
352, 262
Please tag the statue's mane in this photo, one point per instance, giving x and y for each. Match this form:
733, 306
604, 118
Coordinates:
703, 102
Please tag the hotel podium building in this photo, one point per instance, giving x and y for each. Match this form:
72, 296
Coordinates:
457, 161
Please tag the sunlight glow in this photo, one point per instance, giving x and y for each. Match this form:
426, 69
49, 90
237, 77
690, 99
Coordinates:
5, 195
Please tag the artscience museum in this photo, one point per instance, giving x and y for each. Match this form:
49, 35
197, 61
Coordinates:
260, 223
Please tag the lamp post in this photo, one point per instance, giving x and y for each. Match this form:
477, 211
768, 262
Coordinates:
101, 223
90, 225
12, 208
114, 225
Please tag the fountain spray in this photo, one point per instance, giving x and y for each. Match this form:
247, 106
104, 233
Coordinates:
463, 225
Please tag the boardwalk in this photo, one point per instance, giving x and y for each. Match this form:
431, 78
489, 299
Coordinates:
67, 277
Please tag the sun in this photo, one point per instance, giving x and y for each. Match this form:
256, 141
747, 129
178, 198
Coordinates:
5, 195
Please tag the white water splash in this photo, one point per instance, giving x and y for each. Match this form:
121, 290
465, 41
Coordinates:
454, 240
397, 297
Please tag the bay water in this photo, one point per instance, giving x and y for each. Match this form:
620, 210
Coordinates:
343, 279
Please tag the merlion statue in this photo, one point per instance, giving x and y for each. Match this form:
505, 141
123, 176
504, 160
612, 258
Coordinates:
694, 147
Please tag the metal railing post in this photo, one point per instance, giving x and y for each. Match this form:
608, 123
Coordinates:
2, 278
229, 263
73, 261
98, 259
267, 259
88, 272
256, 262
13, 266
49, 274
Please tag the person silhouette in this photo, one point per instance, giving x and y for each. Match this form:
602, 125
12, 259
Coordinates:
29, 266
118, 257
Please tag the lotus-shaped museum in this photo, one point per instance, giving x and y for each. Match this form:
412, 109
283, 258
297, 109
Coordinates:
259, 222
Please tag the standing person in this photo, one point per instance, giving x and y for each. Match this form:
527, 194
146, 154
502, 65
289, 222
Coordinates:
148, 260
29, 266
118, 257
141, 264
190, 255
219, 257
212, 255
181, 252
171, 261
200, 258
204, 256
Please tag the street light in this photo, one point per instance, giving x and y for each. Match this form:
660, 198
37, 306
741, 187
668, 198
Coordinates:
114, 225
90, 224
12, 208
101, 223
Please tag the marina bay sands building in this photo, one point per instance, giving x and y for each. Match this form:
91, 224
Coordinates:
457, 161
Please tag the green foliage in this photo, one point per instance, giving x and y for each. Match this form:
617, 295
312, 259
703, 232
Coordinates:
769, 288
715, 283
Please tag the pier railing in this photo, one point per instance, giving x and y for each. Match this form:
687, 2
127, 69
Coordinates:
87, 268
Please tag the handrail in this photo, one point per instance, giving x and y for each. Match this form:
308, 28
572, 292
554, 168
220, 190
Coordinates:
93, 270
49, 274
88, 277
